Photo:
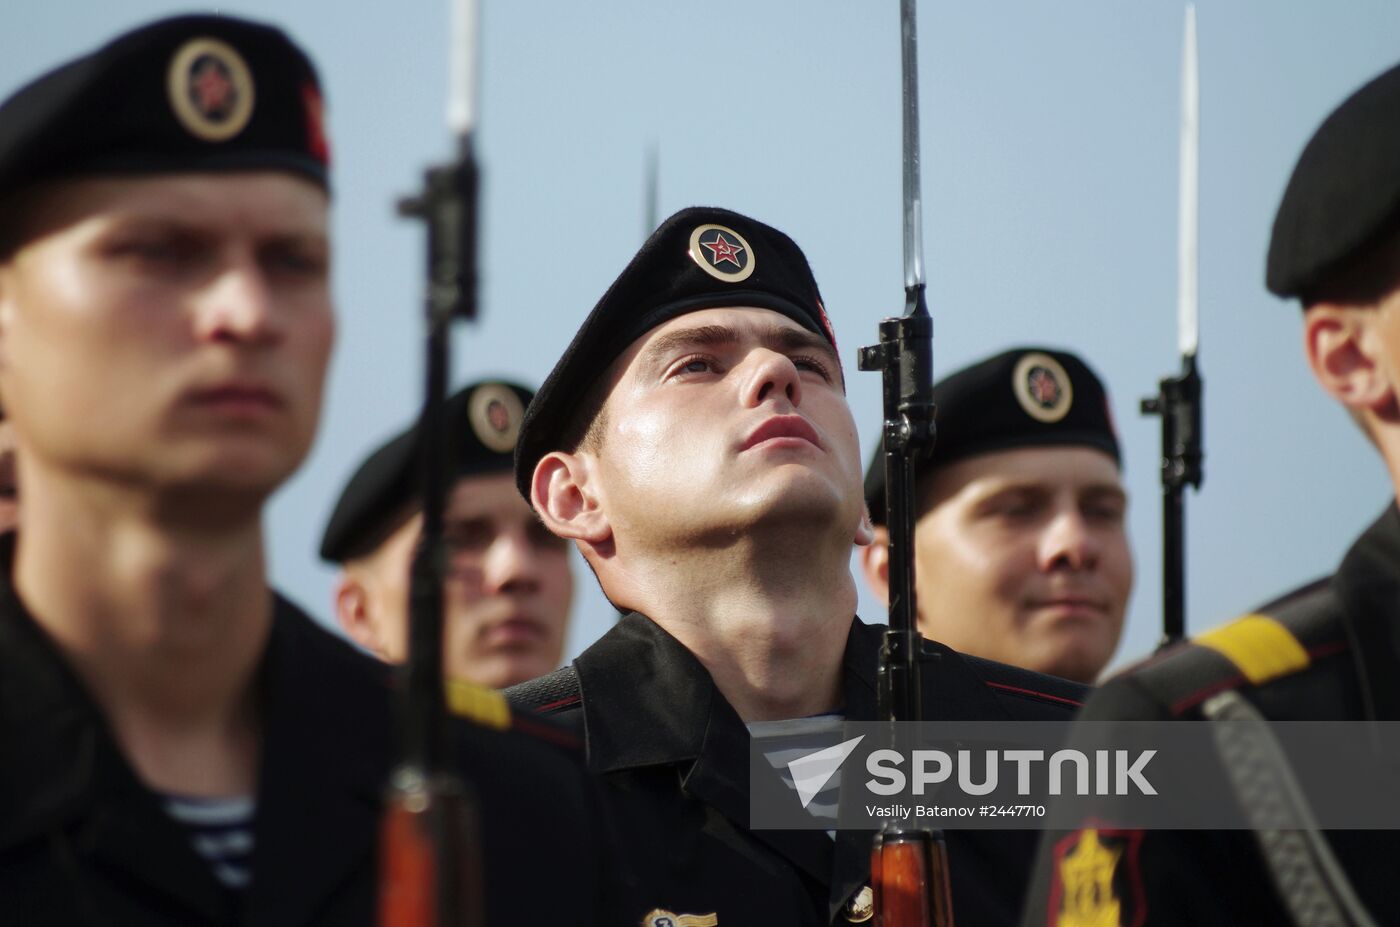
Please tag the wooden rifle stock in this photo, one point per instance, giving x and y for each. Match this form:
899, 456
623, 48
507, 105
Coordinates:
909, 876
428, 875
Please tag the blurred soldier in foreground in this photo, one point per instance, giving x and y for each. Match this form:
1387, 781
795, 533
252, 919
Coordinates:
696, 444
181, 746
509, 584
1326, 652
1020, 550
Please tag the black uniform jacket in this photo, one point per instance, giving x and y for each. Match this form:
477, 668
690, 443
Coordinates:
84, 844
1349, 628
676, 756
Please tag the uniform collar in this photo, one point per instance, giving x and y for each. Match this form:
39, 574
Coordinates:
327, 744
317, 803
64, 779
647, 701
1368, 584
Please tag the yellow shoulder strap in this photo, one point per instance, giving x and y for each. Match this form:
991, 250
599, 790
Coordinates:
1259, 646
487, 707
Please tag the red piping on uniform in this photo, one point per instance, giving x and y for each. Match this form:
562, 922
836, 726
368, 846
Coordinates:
1044, 695
1327, 650
1188, 702
546, 732
561, 703
1200, 695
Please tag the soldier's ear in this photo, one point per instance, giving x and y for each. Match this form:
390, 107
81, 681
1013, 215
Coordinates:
1346, 351
567, 497
352, 611
875, 564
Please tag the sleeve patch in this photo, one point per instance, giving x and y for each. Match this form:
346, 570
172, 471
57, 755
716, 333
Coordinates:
1096, 880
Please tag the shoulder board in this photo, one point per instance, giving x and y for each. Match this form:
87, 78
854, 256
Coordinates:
558, 691
490, 708
1028, 684
1278, 640
478, 704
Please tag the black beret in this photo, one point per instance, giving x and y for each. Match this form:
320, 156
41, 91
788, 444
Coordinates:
1345, 190
194, 93
1025, 397
482, 419
700, 258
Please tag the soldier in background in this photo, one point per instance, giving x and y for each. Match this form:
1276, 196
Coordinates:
1326, 652
1021, 553
508, 580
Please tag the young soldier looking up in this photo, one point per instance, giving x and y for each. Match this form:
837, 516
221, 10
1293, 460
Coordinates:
695, 443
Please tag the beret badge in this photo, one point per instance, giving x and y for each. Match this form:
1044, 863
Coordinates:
1042, 387
722, 253
494, 412
211, 89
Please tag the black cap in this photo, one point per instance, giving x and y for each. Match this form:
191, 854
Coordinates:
1025, 397
194, 93
483, 420
1345, 190
700, 258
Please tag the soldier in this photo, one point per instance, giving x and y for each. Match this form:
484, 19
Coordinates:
181, 745
509, 584
1020, 549
695, 442
1326, 652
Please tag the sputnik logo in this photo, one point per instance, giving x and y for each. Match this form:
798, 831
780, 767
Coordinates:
812, 772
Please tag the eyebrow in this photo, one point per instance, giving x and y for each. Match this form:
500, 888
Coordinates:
163, 221
774, 337
1039, 487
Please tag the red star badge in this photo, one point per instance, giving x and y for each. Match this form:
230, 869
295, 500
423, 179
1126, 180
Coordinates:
498, 415
1043, 387
722, 249
211, 86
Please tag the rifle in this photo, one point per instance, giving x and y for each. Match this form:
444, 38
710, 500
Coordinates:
430, 868
908, 864
649, 209
1178, 399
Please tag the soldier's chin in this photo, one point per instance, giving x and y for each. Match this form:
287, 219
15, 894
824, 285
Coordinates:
1081, 659
805, 497
231, 489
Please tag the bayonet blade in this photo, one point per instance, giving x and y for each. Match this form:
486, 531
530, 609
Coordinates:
913, 197
462, 72
1188, 227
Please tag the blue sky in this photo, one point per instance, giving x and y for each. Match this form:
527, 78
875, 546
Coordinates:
1049, 177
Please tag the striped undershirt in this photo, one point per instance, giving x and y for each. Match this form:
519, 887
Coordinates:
221, 830
815, 733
